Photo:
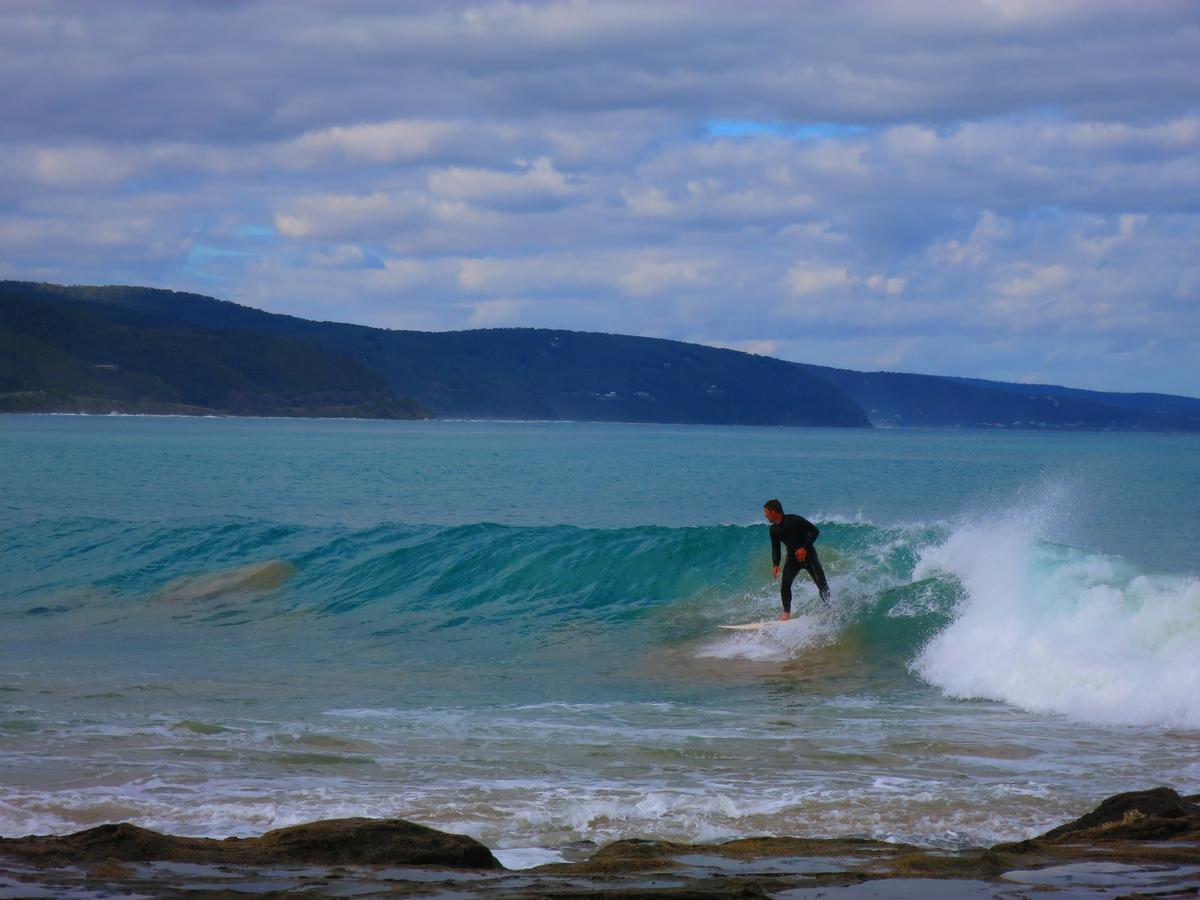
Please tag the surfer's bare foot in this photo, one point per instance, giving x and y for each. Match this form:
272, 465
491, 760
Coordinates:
785, 617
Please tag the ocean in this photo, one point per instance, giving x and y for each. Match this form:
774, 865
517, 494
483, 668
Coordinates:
221, 626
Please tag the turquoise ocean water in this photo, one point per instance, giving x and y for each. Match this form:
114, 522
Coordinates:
217, 627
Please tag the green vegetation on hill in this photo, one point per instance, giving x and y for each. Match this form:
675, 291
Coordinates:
536, 374
518, 373
895, 399
198, 352
63, 354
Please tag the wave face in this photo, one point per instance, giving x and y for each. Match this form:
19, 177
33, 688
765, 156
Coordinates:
982, 611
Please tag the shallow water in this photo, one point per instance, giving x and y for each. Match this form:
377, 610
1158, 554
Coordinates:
217, 627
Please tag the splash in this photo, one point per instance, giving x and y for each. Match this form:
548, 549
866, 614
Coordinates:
775, 642
1054, 629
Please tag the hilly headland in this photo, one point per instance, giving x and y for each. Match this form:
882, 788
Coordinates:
143, 350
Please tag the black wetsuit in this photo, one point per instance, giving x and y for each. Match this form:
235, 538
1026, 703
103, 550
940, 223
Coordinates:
794, 532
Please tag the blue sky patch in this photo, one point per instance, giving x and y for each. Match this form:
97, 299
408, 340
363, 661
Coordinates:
811, 131
200, 255
255, 231
741, 128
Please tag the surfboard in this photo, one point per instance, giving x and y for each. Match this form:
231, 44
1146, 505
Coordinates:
749, 626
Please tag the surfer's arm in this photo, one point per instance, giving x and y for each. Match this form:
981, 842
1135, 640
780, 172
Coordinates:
810, 533
775, 551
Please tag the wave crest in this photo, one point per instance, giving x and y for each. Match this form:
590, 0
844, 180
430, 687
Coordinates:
1054, 629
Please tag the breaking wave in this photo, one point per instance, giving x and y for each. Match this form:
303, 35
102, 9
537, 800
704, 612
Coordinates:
989, 610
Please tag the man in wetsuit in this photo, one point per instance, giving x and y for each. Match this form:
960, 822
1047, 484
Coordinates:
797, 534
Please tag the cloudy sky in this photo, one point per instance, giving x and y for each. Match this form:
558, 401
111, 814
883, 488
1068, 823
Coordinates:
1005, 188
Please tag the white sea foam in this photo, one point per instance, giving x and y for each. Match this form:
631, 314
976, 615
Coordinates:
777, 641
1057, 630
528, 857
516, 819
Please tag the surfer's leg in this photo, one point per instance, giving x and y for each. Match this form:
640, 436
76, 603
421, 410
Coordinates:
791, 569
813, 564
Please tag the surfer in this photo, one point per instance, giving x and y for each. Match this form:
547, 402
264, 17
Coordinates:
797, 534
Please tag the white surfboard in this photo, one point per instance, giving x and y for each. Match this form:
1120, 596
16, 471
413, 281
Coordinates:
749, 626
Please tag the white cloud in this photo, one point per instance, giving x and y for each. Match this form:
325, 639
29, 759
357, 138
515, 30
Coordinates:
343, 256
543, 275
409, 275
79, 167
977, 247
374, 216
898, 353
809, 279
491, 313
929, 175
886, 285
384, 142
1023, 280
650, 201
652, 276
534, 185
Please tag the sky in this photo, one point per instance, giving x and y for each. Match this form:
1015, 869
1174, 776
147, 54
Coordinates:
1004, 189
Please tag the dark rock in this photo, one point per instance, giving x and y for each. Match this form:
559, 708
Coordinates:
376, 842
1155, 831
635, 855
392, 842
1137, 815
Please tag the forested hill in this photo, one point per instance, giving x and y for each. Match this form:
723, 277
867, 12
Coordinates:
59, 353
501, 373
510, 373
896, 399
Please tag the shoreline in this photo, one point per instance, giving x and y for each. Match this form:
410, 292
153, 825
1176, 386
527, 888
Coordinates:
1131, 843
995, 428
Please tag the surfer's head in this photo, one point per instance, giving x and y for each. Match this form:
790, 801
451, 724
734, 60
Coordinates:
773, 510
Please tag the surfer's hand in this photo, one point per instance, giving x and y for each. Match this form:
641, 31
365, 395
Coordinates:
800, 554
775, 572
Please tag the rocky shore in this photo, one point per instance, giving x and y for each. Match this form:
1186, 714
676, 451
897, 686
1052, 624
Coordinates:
1133, 845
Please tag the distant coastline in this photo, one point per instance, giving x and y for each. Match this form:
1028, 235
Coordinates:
94, 407
143, 351
226, 416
